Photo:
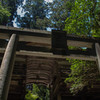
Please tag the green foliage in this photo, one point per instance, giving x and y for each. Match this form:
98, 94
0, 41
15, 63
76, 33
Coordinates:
4, 14
83, 73
11, 6
44, 93
30, 96
84, 18
38, 92
35, 16
59, 11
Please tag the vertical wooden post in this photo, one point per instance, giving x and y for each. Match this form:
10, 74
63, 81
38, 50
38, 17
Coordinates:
7, 67
97, 47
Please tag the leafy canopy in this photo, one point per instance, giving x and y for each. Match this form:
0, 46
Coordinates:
4, 14
84, 18
59, 11
83, 73
35, 15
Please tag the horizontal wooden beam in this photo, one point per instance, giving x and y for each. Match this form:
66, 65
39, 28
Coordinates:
35, 39
79, 44
29, 73
51, 55
4, 36
38, 71
37, 81
24, 31
18, 59
41, 76
46, 41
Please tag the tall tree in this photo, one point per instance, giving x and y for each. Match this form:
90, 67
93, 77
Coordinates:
12, 6
59, 11
4, 14
36, 11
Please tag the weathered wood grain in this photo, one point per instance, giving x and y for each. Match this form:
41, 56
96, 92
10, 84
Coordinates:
7, 67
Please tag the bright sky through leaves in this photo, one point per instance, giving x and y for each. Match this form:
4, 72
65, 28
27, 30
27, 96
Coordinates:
48, 0
21, 12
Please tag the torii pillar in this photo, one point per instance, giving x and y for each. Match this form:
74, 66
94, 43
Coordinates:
97, 48
7, 66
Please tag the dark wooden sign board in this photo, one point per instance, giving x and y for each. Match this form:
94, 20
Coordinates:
59, 42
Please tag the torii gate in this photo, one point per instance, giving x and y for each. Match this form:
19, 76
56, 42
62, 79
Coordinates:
57, 42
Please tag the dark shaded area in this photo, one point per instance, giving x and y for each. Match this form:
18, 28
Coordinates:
59, 42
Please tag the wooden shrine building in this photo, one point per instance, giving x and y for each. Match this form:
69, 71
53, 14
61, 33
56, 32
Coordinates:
36, 56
